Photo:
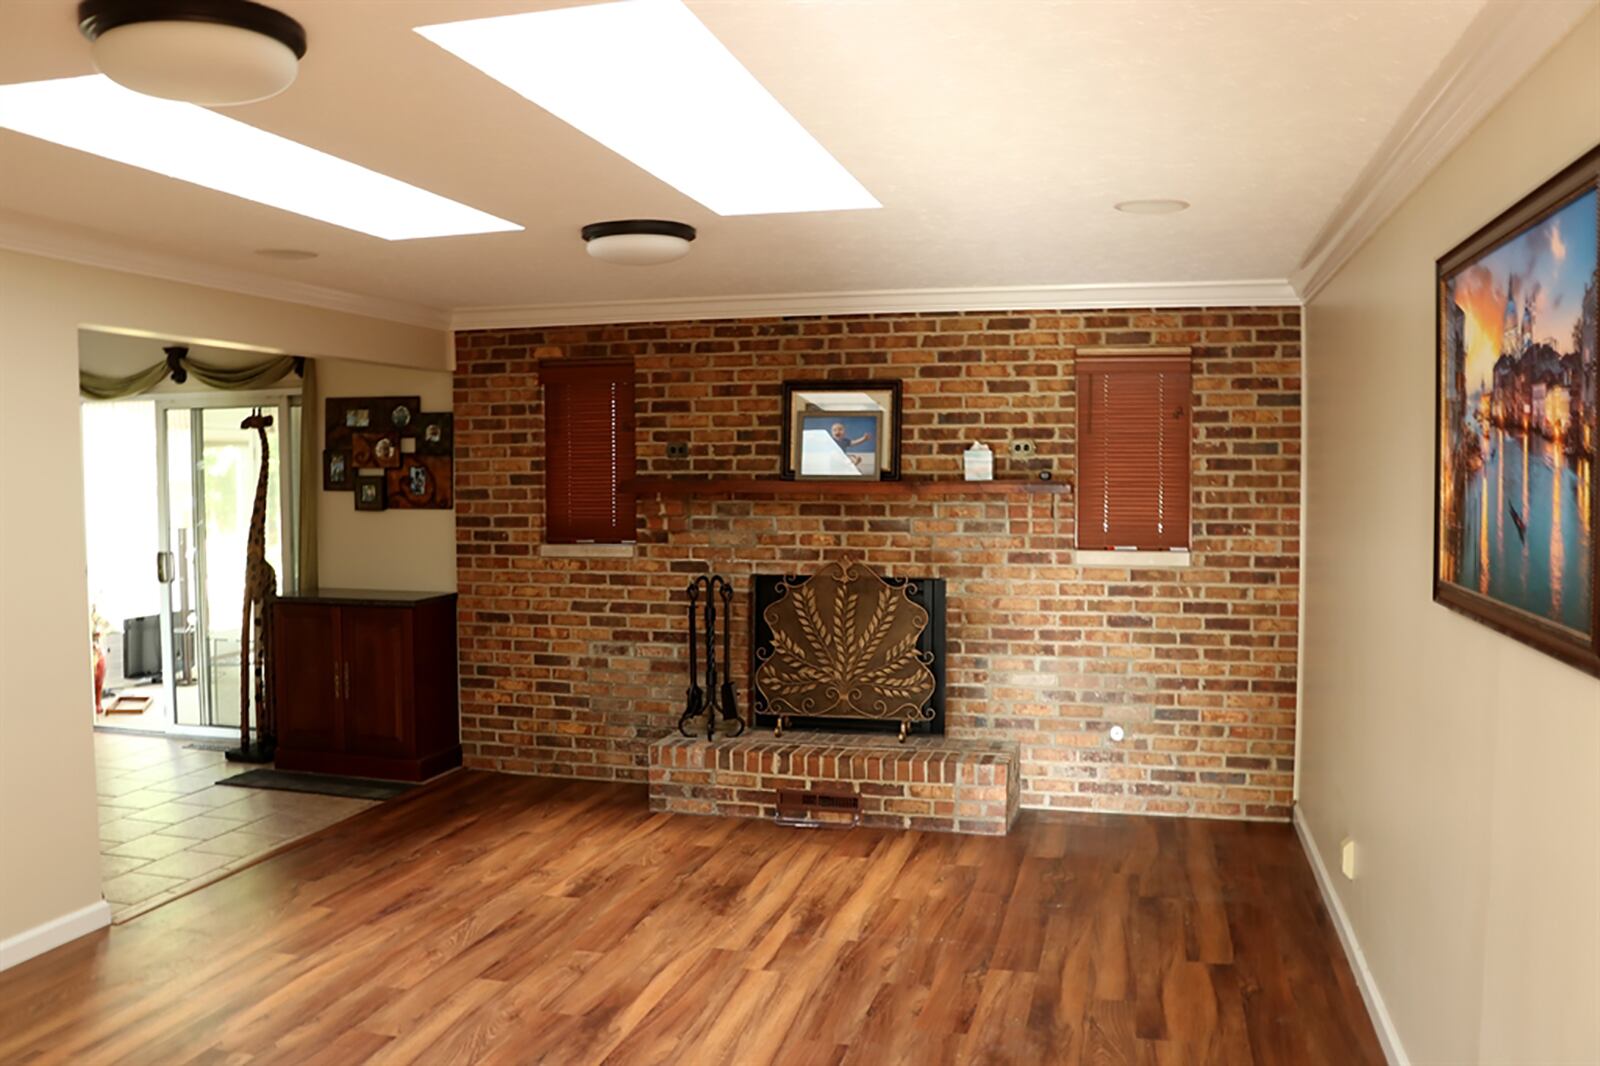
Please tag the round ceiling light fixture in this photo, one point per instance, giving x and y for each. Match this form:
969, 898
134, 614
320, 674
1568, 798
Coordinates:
211, 52
1152, 207
638, 241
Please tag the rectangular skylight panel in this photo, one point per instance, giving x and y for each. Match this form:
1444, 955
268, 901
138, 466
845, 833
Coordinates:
649, 81
93, 114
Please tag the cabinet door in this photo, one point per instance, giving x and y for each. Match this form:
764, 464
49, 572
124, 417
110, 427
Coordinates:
306, 682
376, 646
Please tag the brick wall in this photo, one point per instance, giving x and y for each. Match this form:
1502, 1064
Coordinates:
571, 666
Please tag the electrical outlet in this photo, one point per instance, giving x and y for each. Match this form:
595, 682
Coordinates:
677, 449
1022, 449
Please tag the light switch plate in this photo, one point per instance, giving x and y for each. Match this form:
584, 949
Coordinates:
1347, 858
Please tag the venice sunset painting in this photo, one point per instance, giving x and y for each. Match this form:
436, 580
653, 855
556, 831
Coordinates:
1517, 420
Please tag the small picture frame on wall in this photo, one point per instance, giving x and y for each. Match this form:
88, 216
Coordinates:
841, 430
370, 492
1517, 411
338, 475
435, 433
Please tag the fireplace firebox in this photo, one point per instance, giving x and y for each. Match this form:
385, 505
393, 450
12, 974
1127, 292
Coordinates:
847, 650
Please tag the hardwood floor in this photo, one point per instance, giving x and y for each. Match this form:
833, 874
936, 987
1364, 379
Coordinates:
518, 920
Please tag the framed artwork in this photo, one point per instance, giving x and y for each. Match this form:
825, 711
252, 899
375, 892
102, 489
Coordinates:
391, 434
422, 482
337, 473
1515, 543
368, 450
435, 433
370, 492
841, 430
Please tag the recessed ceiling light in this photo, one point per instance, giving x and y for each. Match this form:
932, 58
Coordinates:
639, 241
649, 81
215, 52
290, 254
1152, 207
93, 114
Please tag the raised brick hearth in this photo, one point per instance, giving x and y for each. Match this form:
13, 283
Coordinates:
933, 783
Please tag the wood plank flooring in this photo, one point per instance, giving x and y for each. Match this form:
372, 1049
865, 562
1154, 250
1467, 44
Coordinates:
504, 919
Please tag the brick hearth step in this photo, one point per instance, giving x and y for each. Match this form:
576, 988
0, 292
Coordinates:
931, 783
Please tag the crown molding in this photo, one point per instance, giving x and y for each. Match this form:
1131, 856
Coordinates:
32, 237
1499, 47
890, 301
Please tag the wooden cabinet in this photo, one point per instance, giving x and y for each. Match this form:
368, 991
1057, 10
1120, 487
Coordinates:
364, 683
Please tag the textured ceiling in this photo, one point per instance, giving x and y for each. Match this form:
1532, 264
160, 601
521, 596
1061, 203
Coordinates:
996, 133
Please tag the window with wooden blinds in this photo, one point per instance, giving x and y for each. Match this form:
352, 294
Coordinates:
1133, 449
588, 450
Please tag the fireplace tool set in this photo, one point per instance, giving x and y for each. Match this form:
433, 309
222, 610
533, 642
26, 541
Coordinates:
713, 710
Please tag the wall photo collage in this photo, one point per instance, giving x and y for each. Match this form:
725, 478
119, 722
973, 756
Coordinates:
388, 452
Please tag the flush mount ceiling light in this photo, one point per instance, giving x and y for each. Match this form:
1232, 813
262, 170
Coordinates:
213, 52
639, 241
95, 115
1152, 207
649, 81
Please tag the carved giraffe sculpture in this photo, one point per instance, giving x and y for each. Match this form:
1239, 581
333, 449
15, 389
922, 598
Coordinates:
260, 589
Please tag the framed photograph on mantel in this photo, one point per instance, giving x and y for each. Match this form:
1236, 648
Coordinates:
841, 430
1515, 542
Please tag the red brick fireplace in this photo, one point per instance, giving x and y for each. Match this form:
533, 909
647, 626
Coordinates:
573, 666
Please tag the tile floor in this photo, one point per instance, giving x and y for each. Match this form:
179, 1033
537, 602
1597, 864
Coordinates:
167, 827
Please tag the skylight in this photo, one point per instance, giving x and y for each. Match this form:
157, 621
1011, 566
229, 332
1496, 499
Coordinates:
649, 81
95, 115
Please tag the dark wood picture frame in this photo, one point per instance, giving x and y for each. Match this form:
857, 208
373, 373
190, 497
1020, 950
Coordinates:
1570, 645
371, 492
888, 458
434, 432
338, 475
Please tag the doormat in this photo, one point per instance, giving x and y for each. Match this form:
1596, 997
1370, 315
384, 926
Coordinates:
321, 784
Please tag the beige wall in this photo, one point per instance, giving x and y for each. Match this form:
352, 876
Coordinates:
48, 853
356, 549
384, 549
1466, 765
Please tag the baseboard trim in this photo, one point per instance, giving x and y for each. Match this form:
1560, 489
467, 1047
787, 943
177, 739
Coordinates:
52, 934
1393, 1050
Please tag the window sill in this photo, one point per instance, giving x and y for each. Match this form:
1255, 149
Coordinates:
1156, 560
587, 551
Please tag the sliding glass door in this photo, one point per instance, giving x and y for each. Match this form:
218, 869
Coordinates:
210, 469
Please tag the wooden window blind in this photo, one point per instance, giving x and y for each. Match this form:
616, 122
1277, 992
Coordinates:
1133, 449
589, 451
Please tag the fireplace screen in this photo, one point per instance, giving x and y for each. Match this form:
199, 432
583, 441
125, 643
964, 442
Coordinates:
847, 648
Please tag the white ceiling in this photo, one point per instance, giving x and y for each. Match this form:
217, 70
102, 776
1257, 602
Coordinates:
996, 133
